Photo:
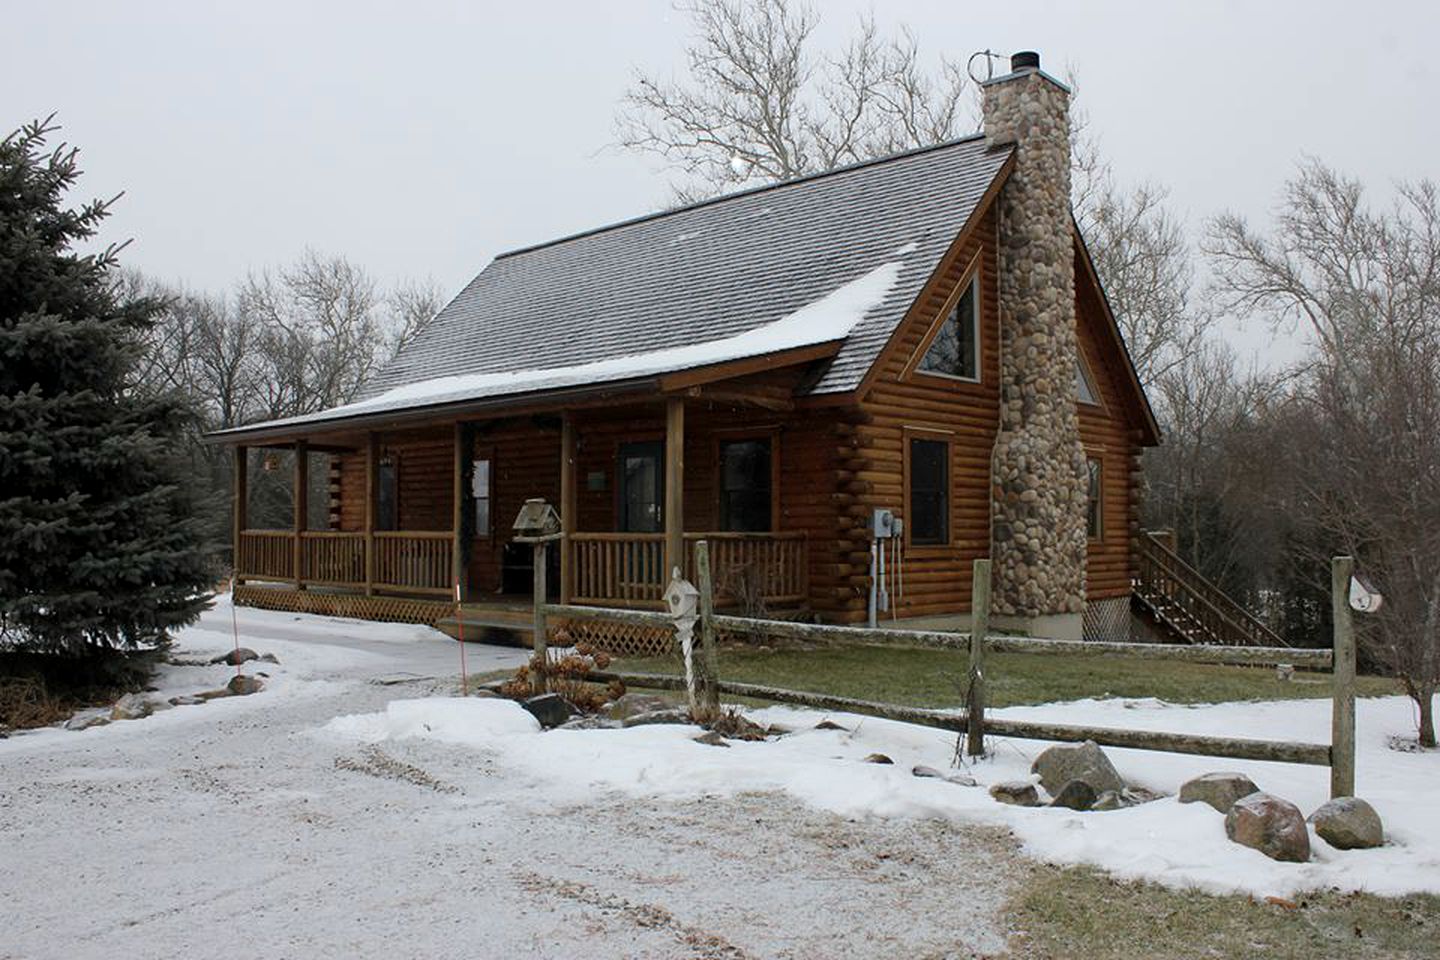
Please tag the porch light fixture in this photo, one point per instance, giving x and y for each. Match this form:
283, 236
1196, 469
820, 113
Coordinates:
271, 463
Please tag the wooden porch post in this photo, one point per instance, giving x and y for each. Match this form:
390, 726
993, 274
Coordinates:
463, 457
372, 485
567, 506
302, 506
242, 506
674, 488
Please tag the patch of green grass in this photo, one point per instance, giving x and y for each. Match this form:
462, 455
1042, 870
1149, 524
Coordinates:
935, 678
1082, 912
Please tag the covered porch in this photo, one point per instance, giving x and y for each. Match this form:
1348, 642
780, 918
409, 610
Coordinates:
421, 511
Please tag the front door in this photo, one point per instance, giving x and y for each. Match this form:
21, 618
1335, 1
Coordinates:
641, 487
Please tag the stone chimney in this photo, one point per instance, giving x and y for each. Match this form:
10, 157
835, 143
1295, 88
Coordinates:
1038, 472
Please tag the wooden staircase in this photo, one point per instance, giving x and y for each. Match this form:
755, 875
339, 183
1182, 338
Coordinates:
1181, 601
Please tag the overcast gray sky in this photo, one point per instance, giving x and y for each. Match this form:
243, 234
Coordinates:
423, 138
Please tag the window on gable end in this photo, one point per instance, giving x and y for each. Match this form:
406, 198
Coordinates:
1085, 390
955, 351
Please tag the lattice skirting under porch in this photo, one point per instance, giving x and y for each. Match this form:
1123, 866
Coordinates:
385, 609
1109, 620
618, 639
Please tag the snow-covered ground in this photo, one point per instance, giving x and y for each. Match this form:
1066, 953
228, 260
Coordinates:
356, 808
1179, 844
245, 828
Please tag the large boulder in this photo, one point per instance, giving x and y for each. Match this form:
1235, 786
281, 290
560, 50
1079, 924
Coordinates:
651, 717
550, 709
132, 706
1086, 762
1020, 793
1271, 825
236, 657
1220, 790
241, 685
634, 704
1349, 823
1076, 795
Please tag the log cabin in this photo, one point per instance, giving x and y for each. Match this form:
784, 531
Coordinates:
850, 384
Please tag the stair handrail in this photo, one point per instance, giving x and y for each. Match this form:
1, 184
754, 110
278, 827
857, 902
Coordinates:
1240, 621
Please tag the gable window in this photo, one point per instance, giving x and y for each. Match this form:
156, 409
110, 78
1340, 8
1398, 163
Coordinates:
387, 496
480, 492
745, 486
955, 351
1085, 390
1094, 516
929, 492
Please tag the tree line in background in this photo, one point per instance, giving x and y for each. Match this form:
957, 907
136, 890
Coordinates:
1265, 472
283, 343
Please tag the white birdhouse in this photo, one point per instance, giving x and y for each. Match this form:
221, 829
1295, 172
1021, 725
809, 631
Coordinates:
1363, 595
682, 598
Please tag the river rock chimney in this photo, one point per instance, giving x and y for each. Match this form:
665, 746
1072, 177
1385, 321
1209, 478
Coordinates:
1038, 472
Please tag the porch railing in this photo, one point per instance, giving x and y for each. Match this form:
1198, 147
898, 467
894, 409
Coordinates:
417, 561
618, 569
267, 555
409, 561
628, 569
748, 567
332, 558
609, 569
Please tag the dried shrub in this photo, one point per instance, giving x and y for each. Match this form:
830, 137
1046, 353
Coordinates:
569, 676
26, 702
745, 584
733, 725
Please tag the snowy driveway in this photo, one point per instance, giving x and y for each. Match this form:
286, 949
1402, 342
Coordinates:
240, 829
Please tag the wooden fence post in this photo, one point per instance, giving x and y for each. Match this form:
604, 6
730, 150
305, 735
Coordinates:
709, 665
979, 627
537, 668
1342, 681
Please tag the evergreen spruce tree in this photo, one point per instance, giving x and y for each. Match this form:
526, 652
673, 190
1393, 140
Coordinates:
98, 546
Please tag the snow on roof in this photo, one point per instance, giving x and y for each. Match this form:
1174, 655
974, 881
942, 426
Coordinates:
826, 320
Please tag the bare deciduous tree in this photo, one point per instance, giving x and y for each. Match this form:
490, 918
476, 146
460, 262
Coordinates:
288, 342
1142, 254
760, 105
1364, 416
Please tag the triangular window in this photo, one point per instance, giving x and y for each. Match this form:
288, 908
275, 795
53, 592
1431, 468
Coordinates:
955, 351
1085, 390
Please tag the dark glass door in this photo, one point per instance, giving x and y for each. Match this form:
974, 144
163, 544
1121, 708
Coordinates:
641, 487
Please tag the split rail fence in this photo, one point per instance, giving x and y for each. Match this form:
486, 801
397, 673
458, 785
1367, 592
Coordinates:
972, 721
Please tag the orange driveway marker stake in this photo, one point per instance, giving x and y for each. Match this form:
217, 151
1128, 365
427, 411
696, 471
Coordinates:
460, 626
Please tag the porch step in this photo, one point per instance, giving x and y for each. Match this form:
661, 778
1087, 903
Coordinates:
490, 626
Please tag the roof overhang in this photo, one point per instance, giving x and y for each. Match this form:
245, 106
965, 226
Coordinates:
595, 394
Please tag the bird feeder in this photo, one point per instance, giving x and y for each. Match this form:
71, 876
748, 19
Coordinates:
536, 522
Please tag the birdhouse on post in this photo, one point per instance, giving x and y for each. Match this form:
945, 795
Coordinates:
538, 524
683, 602
537, 521
682, 599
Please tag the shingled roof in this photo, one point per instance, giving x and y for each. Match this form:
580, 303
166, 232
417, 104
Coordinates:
713, 271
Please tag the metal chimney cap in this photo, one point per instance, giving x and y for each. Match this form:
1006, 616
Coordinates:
1024, 60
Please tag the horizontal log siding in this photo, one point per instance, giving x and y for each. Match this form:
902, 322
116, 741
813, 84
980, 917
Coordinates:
937, 578
1108, 434
424, 465
525, 463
